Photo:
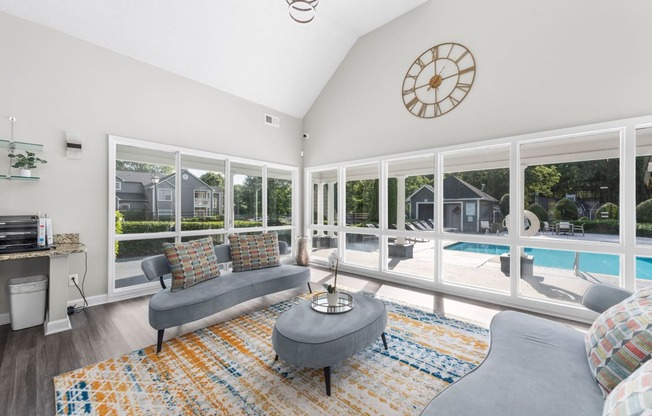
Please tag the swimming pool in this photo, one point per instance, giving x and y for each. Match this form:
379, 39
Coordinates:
561, 259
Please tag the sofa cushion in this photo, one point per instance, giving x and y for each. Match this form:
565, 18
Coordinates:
535, 367
620, 340
633, 396
251, 252
191, 262
168, 309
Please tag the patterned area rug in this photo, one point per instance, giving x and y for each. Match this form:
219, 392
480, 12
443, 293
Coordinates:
229, 369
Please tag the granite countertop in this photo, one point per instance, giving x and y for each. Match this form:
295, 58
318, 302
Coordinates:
64, 244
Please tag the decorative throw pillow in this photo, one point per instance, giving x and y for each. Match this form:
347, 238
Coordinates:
620, 340
249, 252
191, 262
633, 396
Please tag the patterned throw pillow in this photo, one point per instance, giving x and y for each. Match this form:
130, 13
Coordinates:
249, 252
633, 396
620, 340
191, 262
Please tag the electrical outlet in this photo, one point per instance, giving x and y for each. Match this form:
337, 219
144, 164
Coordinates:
72, 278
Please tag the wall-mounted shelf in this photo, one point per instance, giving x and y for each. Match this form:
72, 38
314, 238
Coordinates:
20, 178
32, 147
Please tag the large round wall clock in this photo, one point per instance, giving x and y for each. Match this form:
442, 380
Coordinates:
438, 80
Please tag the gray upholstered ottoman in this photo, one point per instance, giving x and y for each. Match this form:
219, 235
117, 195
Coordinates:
307, 338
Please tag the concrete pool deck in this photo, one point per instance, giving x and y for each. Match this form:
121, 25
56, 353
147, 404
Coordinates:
484, 270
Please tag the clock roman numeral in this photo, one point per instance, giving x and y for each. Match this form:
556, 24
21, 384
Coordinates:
437, 110
409, 91
410, 105
435, 53
457, 61
422, 110
454, 101
420, 63
469, 69
464, 87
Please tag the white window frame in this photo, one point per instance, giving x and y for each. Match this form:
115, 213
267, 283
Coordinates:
626, 248
118, 185
175, 232
164, 196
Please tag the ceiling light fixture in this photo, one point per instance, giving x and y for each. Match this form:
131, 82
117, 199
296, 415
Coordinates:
302, 11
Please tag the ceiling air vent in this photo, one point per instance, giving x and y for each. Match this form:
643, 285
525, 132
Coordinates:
271, 120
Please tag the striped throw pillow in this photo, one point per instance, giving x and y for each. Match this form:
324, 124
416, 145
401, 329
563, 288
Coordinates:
250, 252
620, 340
191, 262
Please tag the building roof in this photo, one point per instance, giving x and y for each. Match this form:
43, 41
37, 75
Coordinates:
131, 196
456, 188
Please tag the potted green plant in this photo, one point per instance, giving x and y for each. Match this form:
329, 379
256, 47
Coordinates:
25, 162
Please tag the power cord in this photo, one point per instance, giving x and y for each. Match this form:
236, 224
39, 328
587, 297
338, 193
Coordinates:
72, 309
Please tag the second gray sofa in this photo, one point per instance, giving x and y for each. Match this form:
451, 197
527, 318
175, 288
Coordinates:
169, 309
535, 367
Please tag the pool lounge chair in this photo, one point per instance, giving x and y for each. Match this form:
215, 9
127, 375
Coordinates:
578, 227
485, 226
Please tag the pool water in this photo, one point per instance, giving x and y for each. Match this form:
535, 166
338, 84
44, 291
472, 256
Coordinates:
561, 259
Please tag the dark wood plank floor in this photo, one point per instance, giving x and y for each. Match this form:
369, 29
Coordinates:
29, 360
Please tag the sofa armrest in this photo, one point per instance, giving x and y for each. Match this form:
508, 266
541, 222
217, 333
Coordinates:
600, 297
155, 267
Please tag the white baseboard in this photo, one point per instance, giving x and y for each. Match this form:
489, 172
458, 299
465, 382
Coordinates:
53, 327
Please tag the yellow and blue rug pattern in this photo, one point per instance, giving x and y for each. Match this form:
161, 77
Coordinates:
229, 369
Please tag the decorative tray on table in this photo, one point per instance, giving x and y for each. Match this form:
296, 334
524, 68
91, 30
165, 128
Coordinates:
319, 303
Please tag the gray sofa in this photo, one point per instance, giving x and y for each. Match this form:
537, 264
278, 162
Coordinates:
168, 309
535, 366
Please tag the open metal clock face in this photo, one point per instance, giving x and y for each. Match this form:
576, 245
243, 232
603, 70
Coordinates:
438, 80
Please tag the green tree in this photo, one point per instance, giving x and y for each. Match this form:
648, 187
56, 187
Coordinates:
565, 209
213, 179
494, 181
143, 167
279, 200
540, 181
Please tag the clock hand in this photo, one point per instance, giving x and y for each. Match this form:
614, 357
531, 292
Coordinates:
442, 70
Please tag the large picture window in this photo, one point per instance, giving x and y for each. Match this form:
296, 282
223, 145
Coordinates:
168, 193
529, 221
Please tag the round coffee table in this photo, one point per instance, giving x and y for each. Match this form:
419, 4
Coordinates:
307, 338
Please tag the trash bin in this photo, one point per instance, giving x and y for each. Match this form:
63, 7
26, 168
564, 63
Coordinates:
27, 300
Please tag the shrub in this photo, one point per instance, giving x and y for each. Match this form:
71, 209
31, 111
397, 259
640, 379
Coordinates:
565, 210
504, 204
643, 230
612, 210
119, 220
601, 227
539, 211
644, 211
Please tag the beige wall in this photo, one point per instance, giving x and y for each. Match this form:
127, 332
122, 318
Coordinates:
540, 66
53, 83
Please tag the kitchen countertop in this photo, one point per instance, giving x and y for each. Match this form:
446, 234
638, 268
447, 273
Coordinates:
64, 244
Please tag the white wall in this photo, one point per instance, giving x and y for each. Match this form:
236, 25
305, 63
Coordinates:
53, 83
540, 66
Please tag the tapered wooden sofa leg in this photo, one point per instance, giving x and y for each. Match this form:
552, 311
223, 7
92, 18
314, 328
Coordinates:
159, 340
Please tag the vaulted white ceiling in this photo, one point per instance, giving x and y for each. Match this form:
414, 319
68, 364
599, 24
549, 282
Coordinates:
249, 48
